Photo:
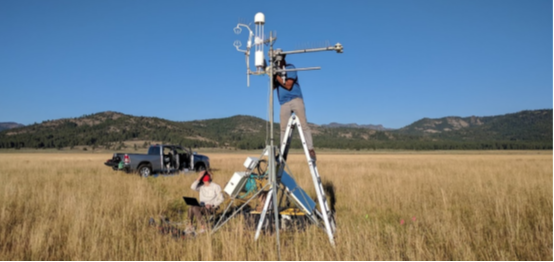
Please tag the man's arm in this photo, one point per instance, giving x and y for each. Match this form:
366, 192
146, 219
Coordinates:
194, 185
287, 85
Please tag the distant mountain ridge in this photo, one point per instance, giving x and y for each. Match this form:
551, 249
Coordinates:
445, 124
530, 125
354, 125
9, 125
522, 130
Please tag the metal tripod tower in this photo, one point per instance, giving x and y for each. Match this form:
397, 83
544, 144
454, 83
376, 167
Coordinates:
275, 175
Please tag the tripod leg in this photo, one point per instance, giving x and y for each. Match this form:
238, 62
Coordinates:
263, 214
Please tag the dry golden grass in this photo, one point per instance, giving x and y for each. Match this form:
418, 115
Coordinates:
466, 205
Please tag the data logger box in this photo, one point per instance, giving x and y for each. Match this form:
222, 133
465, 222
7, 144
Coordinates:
251, 162
236, 184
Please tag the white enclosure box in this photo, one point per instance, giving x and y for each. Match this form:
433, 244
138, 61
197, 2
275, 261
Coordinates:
251, 162
236, 184
259, 58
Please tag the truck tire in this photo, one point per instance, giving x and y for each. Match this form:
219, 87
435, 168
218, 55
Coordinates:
200, 167
144, 171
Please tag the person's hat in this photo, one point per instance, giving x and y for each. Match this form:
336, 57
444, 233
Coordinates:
206, 178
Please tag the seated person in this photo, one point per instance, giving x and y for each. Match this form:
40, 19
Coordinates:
210, 198
171, 156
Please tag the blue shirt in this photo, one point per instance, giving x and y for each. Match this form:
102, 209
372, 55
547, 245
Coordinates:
288, 95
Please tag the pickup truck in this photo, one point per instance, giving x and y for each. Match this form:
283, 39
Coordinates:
159, 159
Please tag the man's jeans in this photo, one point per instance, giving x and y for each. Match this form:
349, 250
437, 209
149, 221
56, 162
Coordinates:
297, 106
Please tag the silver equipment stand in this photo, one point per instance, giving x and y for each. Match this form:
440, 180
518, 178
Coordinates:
274, 182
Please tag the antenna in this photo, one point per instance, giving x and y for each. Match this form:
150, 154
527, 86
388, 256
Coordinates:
322, 218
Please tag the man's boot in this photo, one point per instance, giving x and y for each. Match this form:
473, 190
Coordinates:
312, 154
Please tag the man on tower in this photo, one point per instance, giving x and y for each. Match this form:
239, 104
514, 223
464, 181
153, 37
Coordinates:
291, 100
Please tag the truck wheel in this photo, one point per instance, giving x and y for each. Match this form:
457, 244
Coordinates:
145, 171
200, 168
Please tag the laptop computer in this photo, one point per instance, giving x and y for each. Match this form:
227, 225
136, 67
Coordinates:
191, 201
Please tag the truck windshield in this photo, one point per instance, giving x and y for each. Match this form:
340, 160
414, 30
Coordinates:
154, 150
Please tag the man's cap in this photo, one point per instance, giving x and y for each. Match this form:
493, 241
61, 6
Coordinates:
206, 178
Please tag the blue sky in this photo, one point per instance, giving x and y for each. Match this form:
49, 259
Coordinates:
402, 60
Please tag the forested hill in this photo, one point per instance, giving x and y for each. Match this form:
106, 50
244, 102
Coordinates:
110, 129
523, 126
523, 130
533, 125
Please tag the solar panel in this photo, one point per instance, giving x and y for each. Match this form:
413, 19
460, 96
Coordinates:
298, 194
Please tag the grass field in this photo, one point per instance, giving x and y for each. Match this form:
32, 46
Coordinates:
390, 206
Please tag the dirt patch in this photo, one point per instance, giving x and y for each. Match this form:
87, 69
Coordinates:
200, 138
346, 135
457, 123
